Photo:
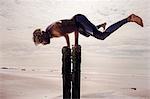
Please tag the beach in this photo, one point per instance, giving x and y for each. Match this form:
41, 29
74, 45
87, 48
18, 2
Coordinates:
115, 68
47, 84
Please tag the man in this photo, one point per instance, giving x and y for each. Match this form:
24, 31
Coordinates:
79, 24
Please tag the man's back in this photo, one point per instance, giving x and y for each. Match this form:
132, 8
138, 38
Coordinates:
61, 28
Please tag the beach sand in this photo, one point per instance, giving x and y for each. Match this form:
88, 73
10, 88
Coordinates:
116, 68
47, 84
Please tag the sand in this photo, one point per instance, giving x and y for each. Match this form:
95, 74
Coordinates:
111, 69
47, 84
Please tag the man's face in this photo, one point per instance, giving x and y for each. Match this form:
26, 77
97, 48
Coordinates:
46, 38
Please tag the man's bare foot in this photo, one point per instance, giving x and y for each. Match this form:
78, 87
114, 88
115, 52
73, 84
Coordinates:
136, 19
102, 25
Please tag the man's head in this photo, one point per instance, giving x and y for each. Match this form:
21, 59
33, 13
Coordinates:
40, 37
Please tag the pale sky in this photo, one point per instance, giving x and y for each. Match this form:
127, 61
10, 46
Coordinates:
128, 46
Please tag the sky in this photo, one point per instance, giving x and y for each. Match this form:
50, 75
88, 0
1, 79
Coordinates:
126, 49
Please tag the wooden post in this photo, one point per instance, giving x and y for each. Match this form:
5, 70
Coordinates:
66, 71
76, 59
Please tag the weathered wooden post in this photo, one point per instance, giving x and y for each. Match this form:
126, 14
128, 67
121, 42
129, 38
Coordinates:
66, 71
76, 59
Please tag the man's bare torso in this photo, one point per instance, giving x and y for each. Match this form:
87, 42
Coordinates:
61, 28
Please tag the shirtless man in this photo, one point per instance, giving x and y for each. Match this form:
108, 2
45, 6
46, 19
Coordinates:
79, 24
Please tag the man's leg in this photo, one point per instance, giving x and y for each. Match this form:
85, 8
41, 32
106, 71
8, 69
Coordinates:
85, 27
83, 31
102, 35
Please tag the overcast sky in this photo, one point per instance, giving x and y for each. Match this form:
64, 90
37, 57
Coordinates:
130, 45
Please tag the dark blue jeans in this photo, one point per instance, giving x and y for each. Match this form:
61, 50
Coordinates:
87, 29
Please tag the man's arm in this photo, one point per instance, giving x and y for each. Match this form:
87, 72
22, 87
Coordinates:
67, 40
